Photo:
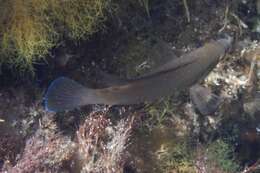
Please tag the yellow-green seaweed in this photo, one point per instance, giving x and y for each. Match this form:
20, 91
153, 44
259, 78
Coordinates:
29, 28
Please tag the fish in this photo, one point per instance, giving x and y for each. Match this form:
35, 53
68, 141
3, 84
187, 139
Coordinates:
178, 74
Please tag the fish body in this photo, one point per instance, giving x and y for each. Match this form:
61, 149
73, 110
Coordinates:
180, 73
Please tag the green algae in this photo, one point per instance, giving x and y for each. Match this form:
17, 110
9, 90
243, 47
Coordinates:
29, 29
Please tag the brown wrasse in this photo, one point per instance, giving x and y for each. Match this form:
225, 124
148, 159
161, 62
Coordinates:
179, 73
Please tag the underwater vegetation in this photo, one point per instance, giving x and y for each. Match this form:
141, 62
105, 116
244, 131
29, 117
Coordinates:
221, 154
145, 4
177, 158
182, 158
99, 146
28, 29
160, 111
46, 150
102, 145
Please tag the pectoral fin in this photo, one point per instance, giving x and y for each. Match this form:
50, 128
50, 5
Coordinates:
204, 100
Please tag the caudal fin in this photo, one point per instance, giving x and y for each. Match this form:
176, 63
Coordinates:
65, 94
